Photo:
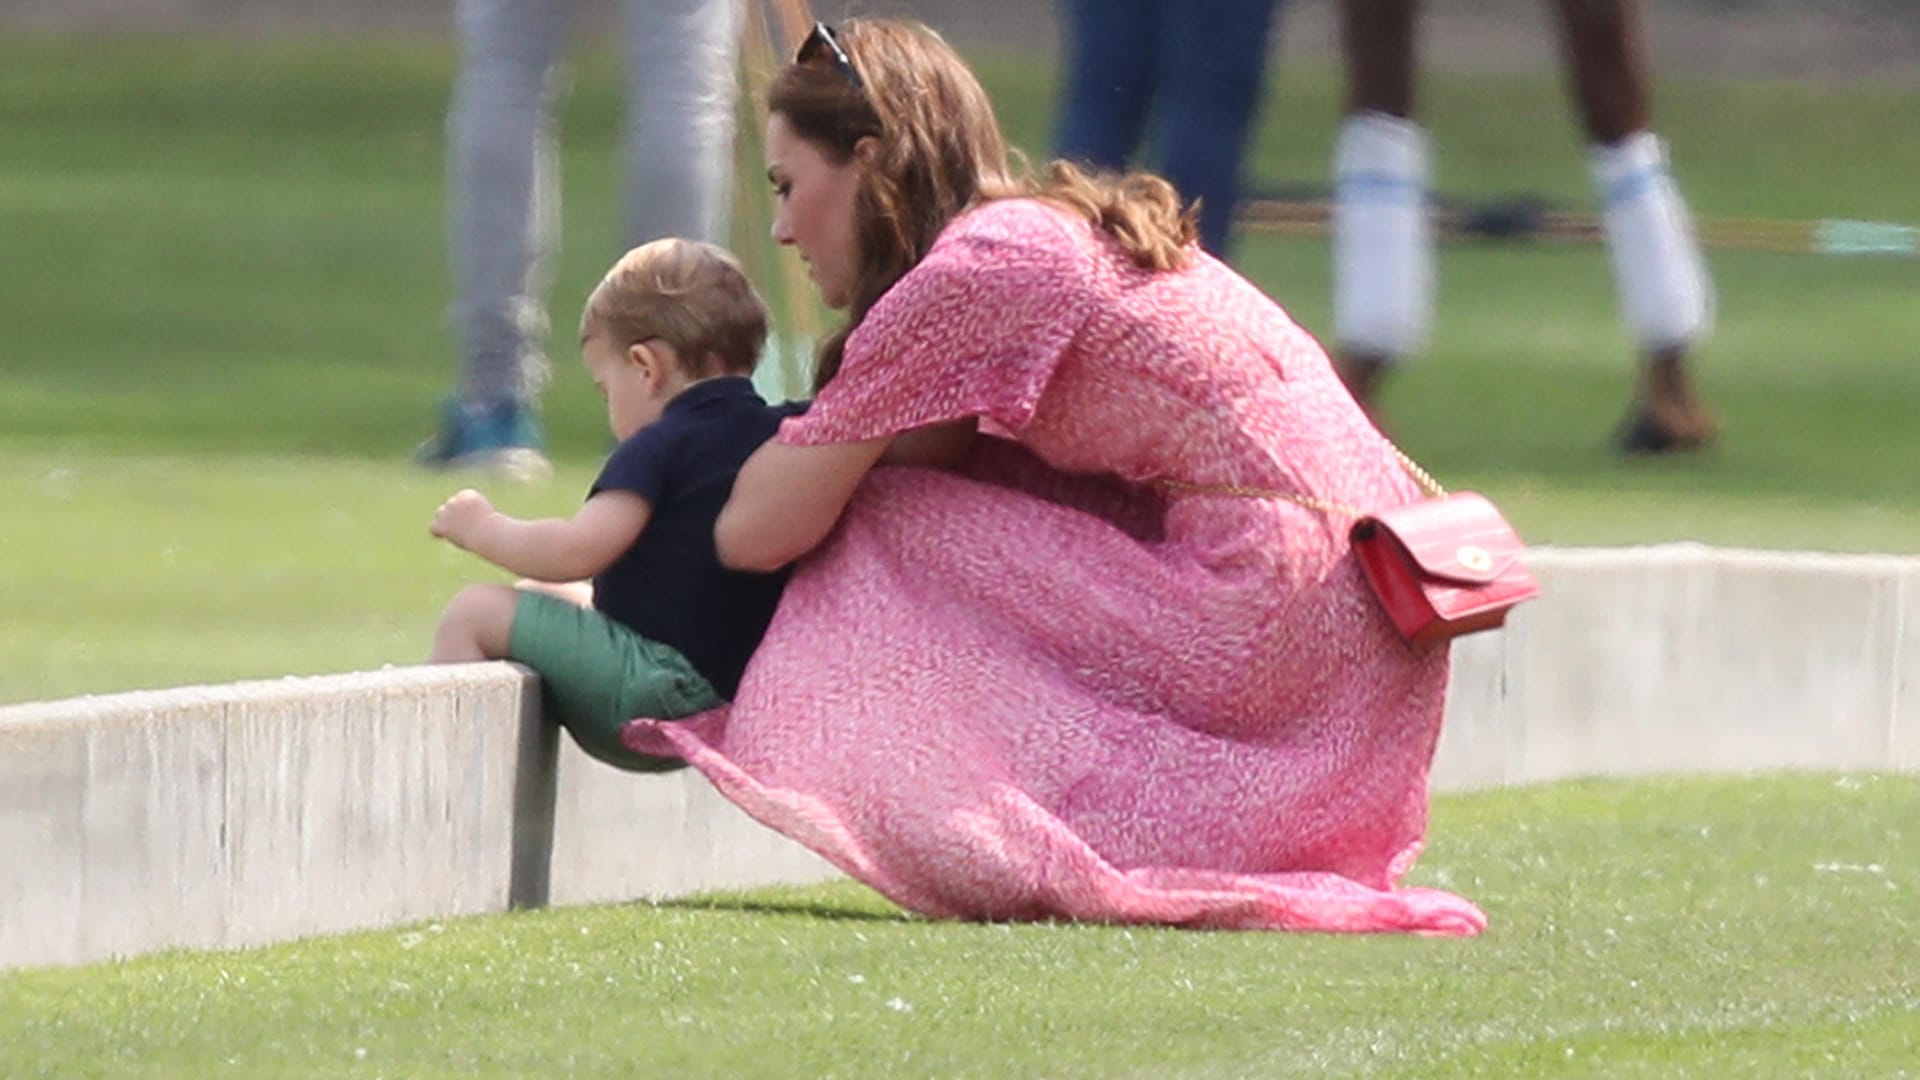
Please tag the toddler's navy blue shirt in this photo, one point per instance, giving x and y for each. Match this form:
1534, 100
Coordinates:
670, 586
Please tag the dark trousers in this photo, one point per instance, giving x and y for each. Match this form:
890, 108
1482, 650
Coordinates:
1196, 67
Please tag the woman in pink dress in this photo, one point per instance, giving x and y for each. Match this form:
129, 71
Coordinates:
1048, 650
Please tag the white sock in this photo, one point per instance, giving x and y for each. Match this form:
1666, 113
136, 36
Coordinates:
1666, 296
1383, 271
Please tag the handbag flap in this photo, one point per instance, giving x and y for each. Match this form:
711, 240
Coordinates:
1461, 537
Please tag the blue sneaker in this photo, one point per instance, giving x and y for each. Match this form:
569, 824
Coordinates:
502, 439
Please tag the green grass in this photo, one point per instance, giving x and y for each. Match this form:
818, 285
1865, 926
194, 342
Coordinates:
222, 330
1738, 927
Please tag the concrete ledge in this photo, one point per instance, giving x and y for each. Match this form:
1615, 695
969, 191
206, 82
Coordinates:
1684, 658
224, 816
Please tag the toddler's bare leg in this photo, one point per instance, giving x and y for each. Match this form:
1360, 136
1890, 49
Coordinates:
477, 625
578, 593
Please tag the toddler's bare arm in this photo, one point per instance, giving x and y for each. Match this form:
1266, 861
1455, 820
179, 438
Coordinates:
550, 549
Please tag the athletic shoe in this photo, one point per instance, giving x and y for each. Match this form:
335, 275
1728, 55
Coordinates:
502, 439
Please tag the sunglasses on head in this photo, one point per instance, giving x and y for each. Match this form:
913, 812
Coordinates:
822, 43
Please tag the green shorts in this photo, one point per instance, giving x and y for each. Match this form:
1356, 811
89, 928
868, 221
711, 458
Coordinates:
596, 674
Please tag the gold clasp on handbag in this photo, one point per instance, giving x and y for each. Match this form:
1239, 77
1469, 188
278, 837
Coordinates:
1474, 558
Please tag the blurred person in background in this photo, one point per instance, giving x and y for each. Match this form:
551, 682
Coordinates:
1196, 67
1383, 242
504, 192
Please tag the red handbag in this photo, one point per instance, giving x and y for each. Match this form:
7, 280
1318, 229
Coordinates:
1443, 566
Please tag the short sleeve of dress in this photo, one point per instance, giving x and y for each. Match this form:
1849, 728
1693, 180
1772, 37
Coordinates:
975, 330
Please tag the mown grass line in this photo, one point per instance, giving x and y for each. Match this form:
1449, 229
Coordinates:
1736, 926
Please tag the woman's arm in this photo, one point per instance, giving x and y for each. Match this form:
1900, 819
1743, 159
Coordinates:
787, 499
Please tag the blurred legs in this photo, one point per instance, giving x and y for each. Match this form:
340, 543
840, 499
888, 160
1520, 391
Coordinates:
1111, 62
1383, 258
1213, 76
1382, 244
682, 58
1666, 296
504, 193
1376, 322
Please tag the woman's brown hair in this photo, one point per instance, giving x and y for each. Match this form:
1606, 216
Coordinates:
941, 153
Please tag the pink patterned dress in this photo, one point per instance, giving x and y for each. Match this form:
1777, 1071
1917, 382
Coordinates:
1050, 684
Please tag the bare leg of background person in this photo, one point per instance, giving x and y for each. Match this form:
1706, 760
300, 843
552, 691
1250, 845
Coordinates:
1377, 40
503, 196
682, 76
1212, 78
1383, 277
1665, 294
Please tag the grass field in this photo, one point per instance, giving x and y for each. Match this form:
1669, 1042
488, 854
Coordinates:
221, 332
221, 297
1749, 928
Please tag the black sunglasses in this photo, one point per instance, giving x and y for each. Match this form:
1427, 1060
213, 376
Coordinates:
822, 41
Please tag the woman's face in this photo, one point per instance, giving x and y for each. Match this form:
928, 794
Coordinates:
813, 209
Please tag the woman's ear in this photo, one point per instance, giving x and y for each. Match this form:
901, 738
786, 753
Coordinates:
867, 151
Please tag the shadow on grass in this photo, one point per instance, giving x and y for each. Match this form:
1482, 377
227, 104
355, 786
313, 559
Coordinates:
800, 907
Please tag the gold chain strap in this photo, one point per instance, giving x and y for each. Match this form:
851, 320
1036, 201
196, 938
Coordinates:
1240, 491
1420, 476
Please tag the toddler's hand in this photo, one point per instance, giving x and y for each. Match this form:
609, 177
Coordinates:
459, 516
